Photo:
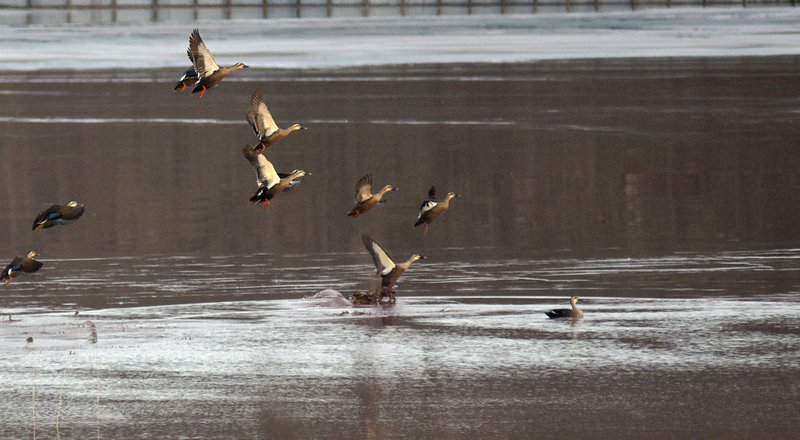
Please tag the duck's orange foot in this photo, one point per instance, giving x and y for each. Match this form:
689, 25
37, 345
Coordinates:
202, 92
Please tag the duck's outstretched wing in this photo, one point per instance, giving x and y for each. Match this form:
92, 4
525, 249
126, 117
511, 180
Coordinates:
364, 188
259, 116
201, 57
383, 262
428, 204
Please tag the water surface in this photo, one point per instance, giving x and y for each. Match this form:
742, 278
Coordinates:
662, 192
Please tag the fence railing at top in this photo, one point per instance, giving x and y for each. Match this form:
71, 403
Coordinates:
157, 10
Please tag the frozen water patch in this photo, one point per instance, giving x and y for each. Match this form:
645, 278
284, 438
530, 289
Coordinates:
338, 42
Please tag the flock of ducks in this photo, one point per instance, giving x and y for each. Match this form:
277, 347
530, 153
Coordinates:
204, 74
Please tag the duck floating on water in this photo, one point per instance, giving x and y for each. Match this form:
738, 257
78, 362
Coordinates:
260, 118
270, 182
365, 200
573, 313
20, 265
388, 270
208, 72
430, 208
58, 215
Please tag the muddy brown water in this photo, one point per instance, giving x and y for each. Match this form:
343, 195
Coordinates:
664, 192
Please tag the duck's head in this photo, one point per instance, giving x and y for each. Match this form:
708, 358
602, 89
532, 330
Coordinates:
388, 188
417, 257
31, 254
451, 195
240, 66
574, 300
72, 204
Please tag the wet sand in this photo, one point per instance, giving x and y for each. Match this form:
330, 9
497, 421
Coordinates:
663, 192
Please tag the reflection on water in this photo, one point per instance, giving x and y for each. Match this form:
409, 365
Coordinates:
448, 364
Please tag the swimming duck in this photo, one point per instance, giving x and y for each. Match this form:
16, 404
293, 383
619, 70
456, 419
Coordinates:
58, 215
386, 268
208, 72
430, 209
20, 265
188, 79
365, 200
573, 313
264, 125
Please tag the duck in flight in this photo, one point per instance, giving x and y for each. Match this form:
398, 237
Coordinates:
58, 215
388, 270
20, 265
573, 313
365, 199
260, 118
430, 208
270, 182
208, 72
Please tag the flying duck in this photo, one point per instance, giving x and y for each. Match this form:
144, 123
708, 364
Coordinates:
58, 215
19, 265
263, 167
386, 268
573, 313
365, 200
208, 72
264, 125
270, 182
430, 209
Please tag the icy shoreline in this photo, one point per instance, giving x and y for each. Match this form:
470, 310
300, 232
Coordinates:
343, 42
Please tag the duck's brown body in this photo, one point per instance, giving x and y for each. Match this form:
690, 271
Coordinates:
573, 313
365, 200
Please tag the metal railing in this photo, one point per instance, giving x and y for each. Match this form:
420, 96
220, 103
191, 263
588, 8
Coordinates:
157, 10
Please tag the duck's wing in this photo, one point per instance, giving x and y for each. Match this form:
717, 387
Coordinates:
429, 204
251, 154
432, 193
71, 213
23, 264
50, 213
259, 116
383, 262
201, 57
266, 172
364, 188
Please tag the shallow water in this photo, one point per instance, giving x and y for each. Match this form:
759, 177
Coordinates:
663, 193
475, 365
